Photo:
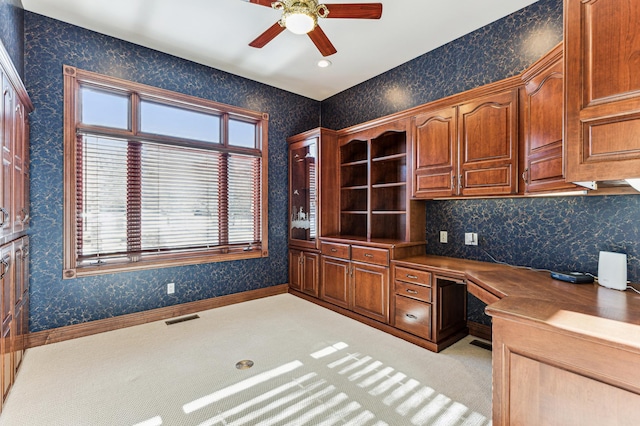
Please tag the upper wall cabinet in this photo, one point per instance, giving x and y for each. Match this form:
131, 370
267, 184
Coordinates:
467, 145
542, 125
602, 89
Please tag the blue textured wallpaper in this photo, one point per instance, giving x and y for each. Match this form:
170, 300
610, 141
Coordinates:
56, 302
499, 50
12, 32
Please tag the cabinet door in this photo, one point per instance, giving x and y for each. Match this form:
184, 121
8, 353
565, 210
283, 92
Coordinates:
602, 84
435, 154
6, 348
370, 293
335, 281
303, 197
543, 130
8, 96
19, 208
295, 269
310, 279
6, 277
488, 133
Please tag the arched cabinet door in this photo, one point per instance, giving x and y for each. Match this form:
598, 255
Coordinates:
488, 134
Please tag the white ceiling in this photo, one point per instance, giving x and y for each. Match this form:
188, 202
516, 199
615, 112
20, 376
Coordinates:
217, 33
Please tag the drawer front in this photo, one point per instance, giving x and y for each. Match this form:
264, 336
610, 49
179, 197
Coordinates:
370, 255
413, 316
414, 276
335, 250
414, 291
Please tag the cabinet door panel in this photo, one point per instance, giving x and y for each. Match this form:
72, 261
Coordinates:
295, 268
371, 291
488, 129
602, 90
311, 270
435, 153
335, 281
6, 214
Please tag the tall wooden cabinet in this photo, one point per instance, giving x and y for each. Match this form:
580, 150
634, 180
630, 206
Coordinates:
312, 165
14, 221
602, 89
542, 122
467, 145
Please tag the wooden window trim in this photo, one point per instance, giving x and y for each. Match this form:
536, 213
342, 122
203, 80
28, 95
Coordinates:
73, 77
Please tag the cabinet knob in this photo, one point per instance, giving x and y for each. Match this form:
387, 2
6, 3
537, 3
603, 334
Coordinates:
333, 250
411, 291
525, 175
413, 317
368, 255
413, 277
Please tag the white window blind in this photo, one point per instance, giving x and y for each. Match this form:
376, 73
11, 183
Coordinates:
137, 198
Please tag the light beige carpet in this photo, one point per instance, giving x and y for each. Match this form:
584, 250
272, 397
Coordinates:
311, 367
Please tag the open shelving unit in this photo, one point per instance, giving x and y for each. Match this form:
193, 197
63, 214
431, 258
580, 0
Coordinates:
374, 201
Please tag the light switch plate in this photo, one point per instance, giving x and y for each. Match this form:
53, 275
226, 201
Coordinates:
444, 237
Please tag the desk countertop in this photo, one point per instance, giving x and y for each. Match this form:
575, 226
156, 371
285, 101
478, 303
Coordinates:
512, 292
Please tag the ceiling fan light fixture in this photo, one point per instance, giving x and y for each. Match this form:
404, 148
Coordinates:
299, 22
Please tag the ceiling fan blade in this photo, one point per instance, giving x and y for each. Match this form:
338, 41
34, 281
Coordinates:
267, 36
320, 39
262, 2
355, 10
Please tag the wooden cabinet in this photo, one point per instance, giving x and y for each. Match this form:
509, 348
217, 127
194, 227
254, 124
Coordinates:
14, 308
602, 89
542, 122
468, 145
312, 165
562, 367
304, 271
374, 196
356, 278
429, 305
15, 107
14, 144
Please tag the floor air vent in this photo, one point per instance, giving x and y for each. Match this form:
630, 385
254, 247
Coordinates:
481, 344
181, 319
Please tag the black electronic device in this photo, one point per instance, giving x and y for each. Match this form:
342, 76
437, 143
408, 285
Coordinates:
572, 277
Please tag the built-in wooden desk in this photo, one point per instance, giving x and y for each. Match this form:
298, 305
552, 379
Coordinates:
563, 354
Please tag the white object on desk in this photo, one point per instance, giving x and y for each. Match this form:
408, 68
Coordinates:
612, 270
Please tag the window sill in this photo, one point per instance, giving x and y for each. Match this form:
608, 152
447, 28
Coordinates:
112, 268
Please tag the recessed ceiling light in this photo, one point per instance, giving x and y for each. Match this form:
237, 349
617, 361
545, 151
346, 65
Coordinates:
324, 63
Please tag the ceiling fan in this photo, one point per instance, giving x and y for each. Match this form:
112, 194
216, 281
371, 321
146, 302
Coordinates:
301, 17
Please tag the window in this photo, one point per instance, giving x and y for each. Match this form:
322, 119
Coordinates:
155, 178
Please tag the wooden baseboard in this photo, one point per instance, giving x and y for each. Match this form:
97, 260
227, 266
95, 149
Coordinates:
93, 327
479, 330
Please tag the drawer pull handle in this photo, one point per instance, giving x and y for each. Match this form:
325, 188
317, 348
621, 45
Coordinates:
333, 250
413, 317
411, 291
368, 255
413, 277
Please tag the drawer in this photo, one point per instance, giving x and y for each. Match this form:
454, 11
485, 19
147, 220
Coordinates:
414, 291
413, 316
370, 255
335, 250
413, 276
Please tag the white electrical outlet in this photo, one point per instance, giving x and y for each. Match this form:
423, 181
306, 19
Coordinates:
171, 288
471, 238
443, 237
